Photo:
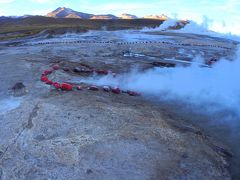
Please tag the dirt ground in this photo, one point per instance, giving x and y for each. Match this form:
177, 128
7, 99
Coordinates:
51, 134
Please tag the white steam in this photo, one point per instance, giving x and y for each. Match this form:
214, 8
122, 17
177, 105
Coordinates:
164, 26
206, 28
218, 85
203, 27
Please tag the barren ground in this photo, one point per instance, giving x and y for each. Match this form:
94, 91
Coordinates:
51, 134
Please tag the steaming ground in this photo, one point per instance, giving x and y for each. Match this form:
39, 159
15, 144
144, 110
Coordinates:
218, 85
210, 92
60, 135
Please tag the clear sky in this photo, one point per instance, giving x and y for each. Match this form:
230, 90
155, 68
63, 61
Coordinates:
224, 12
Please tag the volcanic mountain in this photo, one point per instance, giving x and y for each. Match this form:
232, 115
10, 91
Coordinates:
63, 12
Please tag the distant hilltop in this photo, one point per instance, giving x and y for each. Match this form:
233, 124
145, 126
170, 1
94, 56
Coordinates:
63, 12
161, 17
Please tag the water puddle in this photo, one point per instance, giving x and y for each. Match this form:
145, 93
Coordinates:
9, 104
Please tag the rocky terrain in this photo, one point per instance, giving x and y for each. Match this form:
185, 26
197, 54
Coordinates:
83, 134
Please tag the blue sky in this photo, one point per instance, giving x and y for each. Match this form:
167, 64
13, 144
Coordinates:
221, 11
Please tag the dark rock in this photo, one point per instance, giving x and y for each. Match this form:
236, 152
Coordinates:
81, 70
89, 171
93, 88
1, 154
18, 86
161, 64
1, 173
77, 69
185, 155
224, 152
19, 89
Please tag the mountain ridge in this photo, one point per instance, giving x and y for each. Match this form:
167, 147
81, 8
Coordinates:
63, 12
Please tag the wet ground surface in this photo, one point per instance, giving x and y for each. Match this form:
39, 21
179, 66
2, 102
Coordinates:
85, 134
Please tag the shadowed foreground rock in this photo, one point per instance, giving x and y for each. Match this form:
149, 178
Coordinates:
100, 137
